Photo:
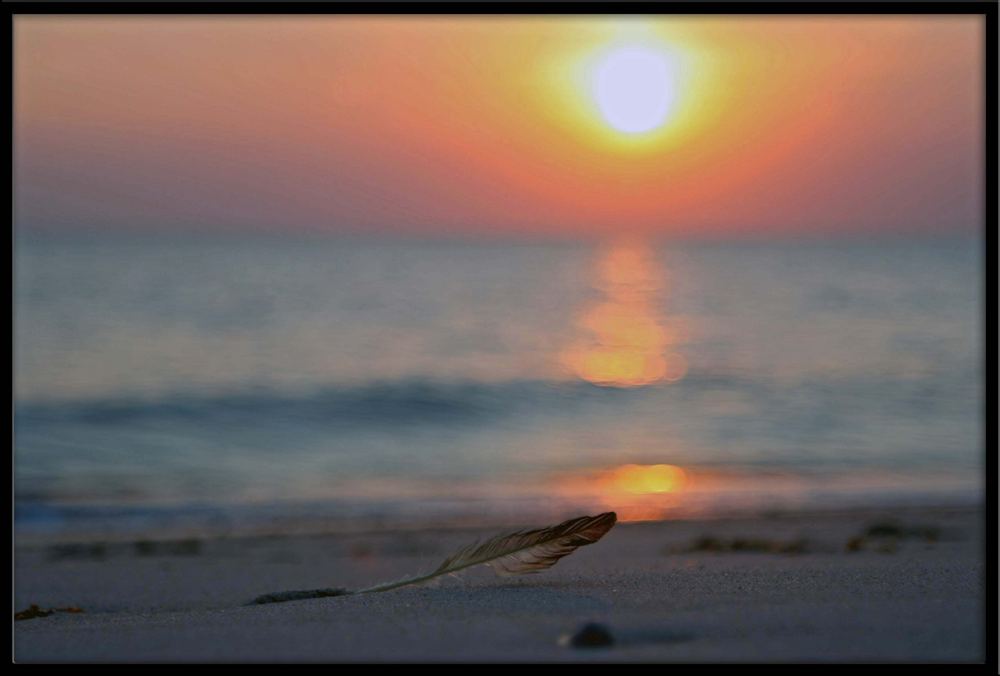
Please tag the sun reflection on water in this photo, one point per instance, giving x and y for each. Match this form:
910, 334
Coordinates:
626, 343
636, 492
646, 479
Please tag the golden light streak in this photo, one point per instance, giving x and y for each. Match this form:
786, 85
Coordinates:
628, 346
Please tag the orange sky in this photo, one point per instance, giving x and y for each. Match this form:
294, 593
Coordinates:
486, 125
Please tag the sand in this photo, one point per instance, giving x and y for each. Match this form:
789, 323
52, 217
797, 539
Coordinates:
916, 595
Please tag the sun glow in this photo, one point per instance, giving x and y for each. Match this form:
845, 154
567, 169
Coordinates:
634, 89
637, 88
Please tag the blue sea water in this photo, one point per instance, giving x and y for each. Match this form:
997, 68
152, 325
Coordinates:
240, 380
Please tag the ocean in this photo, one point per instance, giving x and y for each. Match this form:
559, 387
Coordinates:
246, 382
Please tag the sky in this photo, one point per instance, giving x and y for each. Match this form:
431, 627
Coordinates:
484, 126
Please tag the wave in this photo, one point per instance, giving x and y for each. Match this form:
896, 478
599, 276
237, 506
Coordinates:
426, 401
400, 402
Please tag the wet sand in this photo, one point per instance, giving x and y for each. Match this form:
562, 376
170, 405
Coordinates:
876, 585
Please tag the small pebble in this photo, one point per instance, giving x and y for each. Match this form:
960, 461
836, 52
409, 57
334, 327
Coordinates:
591, 635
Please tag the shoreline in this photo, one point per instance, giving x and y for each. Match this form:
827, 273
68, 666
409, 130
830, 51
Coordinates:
458, 523
41, 523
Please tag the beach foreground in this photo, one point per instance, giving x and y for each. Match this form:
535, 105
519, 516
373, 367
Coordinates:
875, 585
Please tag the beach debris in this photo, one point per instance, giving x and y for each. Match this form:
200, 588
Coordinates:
886, 536
185, 547
855, 544
92, 550
891, 529
708, 543
590, 635
34, 611
517, 553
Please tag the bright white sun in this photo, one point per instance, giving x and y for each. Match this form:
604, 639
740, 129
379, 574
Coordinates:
634, 89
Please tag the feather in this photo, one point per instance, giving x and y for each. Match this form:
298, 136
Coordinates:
517, 553
520, 552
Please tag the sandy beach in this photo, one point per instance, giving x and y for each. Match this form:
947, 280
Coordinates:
682, 312
874, 585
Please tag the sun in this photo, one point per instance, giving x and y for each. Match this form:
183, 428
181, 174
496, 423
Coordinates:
634, 88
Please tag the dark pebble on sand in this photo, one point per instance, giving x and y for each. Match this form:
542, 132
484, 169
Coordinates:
591, 635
